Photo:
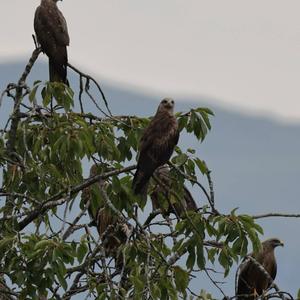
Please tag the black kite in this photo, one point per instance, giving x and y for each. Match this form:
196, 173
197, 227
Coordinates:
111, 230
52, 34
156, 145
252, 281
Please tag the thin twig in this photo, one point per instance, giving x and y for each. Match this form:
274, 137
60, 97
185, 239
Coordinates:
88, 77
269, 215
58, 200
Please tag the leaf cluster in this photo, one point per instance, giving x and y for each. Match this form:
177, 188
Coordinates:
160, 257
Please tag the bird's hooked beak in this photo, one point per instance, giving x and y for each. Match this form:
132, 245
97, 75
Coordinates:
279, 243
169, 105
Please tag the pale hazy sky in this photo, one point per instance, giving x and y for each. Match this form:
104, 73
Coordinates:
244, 53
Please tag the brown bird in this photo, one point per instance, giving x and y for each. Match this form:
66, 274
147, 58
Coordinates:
52, 34
252, 282
162, 191
111, 230
157, 145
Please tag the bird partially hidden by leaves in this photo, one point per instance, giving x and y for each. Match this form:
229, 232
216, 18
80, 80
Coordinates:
52, 34
156, 145
111, 229
252, 282
164, 197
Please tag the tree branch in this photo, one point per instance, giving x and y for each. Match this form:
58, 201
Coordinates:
58, 200
269, 215
18, 98
90, 78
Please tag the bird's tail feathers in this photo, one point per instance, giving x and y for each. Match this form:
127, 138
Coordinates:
58, 66
57, 72
140, 183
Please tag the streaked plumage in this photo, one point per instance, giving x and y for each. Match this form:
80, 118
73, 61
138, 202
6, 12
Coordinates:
163, 188
251, 280
156, 145
52, 34
111, 230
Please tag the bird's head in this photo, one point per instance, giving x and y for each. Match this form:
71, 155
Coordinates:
94, 170
100, 168
166, 105
273, 242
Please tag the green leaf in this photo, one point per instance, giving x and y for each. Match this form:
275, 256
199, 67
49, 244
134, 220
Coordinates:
33, 93
181, 278
180, 159
138, 283
43, 244
200, 256
155, 291
5, 242
206, 119
207, 110
191, 258
46, 96
62, 281
82, 251
102, 296
192, 151
211, 254
201, 165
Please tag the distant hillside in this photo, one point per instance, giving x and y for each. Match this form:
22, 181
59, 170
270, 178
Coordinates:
255, 161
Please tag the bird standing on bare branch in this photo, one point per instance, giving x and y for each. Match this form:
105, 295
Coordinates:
252, 282
52, 34
157, 145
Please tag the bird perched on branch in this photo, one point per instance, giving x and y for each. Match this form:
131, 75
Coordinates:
52, 34
112, 231
163, 191
157, 145
252, 282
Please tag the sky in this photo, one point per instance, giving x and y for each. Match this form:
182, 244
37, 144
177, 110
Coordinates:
244, 54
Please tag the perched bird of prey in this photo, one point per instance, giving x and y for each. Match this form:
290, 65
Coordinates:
162, 193
156, 145
111, 230
252, 281
52, 34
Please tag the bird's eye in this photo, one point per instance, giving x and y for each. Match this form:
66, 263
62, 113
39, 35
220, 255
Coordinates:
164, 101
172, 101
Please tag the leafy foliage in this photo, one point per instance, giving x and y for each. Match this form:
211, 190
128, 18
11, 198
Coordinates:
48, 246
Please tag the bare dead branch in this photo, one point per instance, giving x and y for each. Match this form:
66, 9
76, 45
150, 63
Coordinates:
215, 283
90, 78
18, 98
271, 215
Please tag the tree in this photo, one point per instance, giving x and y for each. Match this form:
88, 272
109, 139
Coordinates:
49, 247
